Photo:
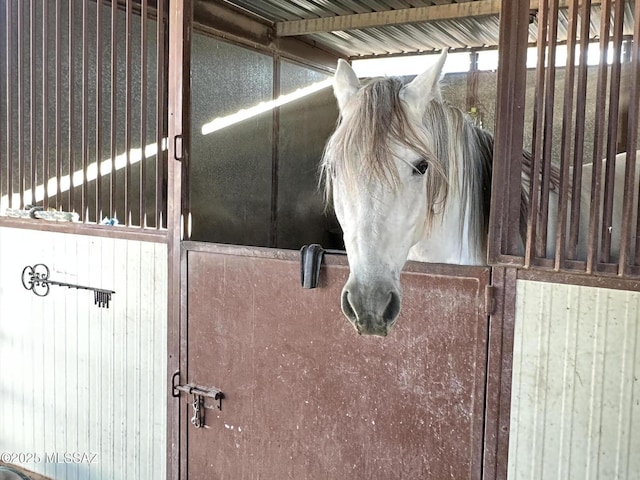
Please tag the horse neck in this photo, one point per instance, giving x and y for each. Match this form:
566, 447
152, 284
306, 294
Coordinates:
467, 153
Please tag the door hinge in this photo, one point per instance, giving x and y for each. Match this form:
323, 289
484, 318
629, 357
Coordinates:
198, 401
489, 299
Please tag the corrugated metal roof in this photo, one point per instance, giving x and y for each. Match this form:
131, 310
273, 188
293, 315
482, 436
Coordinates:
475, 30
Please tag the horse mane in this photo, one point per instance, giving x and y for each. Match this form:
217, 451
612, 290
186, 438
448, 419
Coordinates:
460, 154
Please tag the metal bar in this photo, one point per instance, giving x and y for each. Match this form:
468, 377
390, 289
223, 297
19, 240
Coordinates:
578, 150
71, 206
567, 121
98, 117
58, 126
160, 111
275, 135
632, 131
201, 391
538, 135
179, 67
549, 100
20, 92
612, 134
504, 233
32, 101
127, 112
84, 207
598, 133
114, 102
9, 100
45, 104
143, 111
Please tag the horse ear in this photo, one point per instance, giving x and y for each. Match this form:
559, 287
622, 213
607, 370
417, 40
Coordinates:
424, 88
345, 83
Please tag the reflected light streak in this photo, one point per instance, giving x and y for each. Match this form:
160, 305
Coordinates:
244, 114
135, 156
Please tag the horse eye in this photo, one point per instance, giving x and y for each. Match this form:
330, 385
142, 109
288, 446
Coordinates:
421, 167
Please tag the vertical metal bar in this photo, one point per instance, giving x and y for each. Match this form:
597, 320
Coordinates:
99, 50
538, 134
549, 101
45, 103
143, 111
596, 179
32, 100
504, 232
578, 150
275, 135
58, 126
9, 100
114, 102
127, 113
632, 132
180, 24
612, 134
472, 82
160, 111
71, 85
20, 92
84, 201
567, 122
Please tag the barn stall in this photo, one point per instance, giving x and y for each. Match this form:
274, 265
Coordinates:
533, 369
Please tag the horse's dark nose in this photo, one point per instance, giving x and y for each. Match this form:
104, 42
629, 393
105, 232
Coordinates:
372, 311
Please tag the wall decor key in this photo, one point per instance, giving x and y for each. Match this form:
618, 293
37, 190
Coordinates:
36, 279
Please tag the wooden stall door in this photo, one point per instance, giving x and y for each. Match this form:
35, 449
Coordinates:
307, 398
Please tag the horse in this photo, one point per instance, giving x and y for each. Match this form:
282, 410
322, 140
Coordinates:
409, 177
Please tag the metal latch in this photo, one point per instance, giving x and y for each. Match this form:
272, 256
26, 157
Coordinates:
310, 263
198, 401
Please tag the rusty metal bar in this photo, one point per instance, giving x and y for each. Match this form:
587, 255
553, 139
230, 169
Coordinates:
45, 104
9, 100
549, 100
504, 235
631, 147
578, 150
98, 117
127, 113
596, 180
58, 126
160, 110
114, 103
567, 121
143, 111
84, 207
20, 92
32, 101
531, 249
71, 206
612, 134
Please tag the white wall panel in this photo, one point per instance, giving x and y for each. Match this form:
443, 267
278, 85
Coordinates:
575, 411
75, 378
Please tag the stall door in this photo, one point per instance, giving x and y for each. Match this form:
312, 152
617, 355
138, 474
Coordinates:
305, 397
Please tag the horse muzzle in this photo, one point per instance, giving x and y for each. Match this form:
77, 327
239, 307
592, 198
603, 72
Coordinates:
372, 310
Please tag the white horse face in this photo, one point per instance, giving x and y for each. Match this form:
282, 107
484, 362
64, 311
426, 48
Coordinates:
382, 216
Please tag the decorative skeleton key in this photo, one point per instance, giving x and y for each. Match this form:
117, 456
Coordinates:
36, 279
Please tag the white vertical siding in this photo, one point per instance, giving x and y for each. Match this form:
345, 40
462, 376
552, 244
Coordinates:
78, 378
575, 409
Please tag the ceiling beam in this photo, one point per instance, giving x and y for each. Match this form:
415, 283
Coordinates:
398, 17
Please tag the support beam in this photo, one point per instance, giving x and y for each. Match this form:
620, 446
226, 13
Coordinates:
398, 17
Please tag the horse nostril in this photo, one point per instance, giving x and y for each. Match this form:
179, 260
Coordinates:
347, 308
392, 309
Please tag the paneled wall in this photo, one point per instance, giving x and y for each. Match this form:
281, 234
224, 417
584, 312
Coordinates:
75, 378
575, 411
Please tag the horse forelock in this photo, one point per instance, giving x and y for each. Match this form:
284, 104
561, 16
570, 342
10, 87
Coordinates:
361, 147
